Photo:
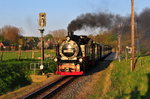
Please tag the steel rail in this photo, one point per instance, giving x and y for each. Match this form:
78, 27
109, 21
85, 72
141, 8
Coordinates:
50, 89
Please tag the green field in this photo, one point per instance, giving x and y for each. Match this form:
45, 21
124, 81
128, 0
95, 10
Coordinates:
118, 82
10, 58
26, 54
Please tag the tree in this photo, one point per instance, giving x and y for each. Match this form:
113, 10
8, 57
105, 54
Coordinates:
48, 36
1, 36
30, 43
143, 24
58, 35
11, 33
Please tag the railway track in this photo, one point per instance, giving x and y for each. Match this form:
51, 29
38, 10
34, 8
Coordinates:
51, 89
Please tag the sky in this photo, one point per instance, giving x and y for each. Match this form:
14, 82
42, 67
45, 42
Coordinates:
24, 13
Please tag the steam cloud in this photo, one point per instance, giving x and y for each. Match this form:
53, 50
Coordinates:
92, 20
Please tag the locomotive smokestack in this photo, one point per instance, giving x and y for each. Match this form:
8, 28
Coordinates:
70, 33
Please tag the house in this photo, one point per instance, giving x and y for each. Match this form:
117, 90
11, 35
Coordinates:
7, 46
4, 45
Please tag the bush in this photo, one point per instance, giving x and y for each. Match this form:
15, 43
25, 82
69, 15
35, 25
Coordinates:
51, 67
13, 75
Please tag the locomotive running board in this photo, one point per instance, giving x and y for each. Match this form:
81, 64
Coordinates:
69, 73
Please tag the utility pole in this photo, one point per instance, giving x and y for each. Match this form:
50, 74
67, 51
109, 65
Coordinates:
119, 42
119, 47
132, 35
42, 24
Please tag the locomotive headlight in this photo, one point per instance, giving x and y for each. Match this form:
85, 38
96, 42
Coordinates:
69, 47
80, 60
55, 59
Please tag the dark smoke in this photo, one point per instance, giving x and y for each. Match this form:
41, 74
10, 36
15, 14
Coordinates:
103, 20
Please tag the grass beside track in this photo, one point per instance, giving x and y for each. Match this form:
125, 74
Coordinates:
118, 82
127, 84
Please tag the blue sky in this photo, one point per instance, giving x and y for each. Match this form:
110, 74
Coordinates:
24, 13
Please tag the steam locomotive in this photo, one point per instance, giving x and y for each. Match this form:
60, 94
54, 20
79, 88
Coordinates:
76, 54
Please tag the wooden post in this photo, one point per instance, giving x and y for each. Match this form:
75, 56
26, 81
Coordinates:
126, 54
119, 43
19, 53
119, 47
132, 35
32, 54
2, 55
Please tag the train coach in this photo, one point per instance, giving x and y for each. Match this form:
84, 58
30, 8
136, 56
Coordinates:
76, 54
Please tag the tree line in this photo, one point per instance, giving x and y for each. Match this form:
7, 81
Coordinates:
13, 35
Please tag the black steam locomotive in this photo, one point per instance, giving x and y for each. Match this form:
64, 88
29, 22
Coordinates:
77, 54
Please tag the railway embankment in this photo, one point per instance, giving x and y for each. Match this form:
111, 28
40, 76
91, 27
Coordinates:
118, 82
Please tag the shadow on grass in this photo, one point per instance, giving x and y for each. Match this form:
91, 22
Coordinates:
135, 94
102, 65
136, 60
147, 95
145, 55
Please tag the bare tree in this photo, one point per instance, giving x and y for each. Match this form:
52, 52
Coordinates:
58, 35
